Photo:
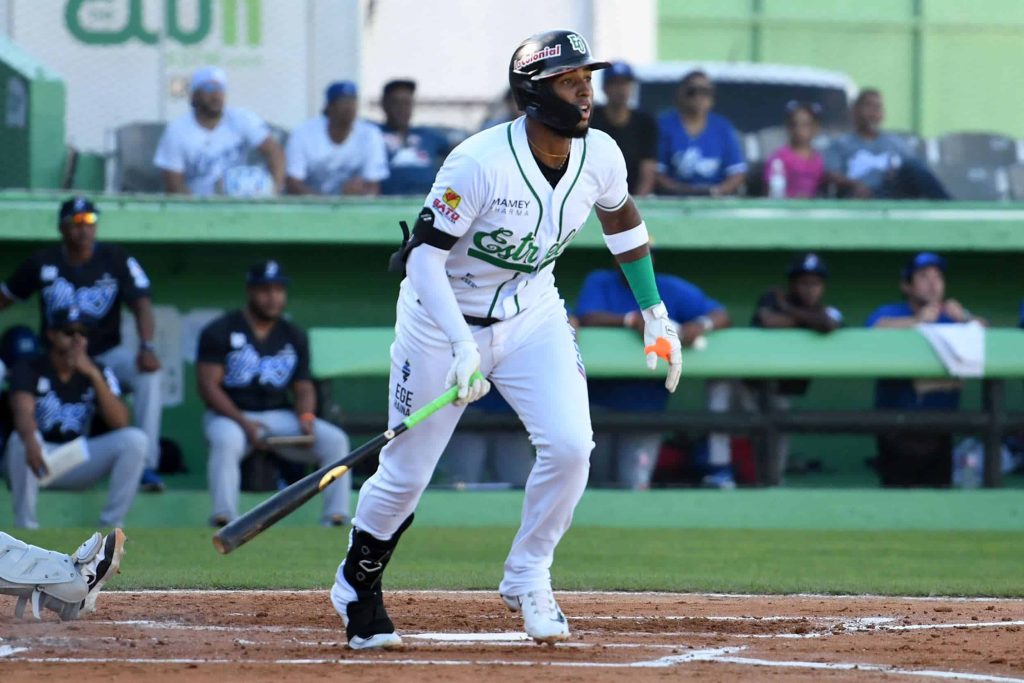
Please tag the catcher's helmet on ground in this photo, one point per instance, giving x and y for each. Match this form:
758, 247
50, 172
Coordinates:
540, 57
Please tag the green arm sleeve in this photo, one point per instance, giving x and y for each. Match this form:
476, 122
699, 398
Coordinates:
640, 276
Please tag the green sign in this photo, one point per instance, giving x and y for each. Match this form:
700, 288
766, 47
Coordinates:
133, 24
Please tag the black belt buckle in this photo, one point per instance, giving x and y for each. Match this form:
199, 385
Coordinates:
481, 322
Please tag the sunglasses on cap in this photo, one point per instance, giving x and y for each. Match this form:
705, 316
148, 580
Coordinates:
697, 90
72, 330
84, 218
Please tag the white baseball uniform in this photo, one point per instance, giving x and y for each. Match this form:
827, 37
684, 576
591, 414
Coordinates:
511, 226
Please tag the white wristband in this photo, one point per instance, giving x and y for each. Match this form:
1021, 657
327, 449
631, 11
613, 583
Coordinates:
621, 242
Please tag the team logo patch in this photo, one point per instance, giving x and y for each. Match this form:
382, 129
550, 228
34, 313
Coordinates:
406, 370
237, 340
452, 198
446, 210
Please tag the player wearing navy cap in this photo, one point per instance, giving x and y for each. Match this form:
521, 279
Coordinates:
252, 371
336, 152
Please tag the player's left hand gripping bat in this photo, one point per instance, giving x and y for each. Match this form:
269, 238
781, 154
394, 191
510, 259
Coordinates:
286, 501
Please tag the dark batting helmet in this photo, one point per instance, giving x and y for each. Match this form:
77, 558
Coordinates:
539, 58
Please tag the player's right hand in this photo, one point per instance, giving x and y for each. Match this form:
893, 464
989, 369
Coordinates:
460, 374
662, 341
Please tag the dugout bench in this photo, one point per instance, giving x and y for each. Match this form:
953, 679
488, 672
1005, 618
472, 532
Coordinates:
740, 353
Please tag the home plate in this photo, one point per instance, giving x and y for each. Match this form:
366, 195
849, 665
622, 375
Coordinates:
509, 637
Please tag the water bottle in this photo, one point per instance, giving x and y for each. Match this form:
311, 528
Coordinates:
777, 179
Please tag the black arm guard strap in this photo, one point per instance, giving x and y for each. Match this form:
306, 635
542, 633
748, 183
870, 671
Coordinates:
423, 232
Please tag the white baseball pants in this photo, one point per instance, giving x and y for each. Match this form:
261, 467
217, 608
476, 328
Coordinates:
533, 361
147, 398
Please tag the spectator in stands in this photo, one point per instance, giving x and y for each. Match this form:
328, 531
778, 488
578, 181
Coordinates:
605, 300
336, 153
800, 305
248, 362
871, 164
414, 152
918, 459
99, 278
802, 166
200, 151
635, 131
698, 150
507, 112
54, 398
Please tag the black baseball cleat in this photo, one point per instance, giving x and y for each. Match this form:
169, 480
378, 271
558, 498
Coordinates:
357, 594
97, 567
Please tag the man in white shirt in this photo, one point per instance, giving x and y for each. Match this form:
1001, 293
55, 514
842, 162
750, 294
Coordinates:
336, 153
198, 149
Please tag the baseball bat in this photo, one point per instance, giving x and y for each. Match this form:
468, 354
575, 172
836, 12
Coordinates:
286, 501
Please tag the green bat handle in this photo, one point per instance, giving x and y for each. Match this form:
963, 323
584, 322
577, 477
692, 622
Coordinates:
435, 405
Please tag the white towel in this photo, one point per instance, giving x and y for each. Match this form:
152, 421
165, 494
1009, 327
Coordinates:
960, 347
64, 458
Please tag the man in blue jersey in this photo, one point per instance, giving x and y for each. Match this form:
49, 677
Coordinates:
605, 300
698, 151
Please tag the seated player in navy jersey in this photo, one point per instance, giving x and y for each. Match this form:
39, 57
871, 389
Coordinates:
253, 376
54, 398
99, 278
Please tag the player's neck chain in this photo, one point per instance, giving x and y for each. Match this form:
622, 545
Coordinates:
563, 157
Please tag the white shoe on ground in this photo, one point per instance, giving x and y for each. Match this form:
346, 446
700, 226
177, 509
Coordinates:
542, 617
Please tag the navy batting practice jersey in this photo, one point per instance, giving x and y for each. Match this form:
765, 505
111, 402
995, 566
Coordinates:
257, 374
98, 287
64, 410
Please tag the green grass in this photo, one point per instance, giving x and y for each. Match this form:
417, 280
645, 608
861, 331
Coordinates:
729, 560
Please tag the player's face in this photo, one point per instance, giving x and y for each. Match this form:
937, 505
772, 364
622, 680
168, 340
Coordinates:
575, 88
618, 91
696, 95
808, 288
208, 101
69, 339
927, 285
802, 127
78, 234
868, 115
268, 301
398, 108
342, 110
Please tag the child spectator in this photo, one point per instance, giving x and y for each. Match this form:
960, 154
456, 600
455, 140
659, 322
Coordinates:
801, 165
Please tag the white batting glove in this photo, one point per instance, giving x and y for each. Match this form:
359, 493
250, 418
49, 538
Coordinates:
662, 340
466, 362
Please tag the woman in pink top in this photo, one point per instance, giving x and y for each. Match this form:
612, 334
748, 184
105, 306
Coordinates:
803, 166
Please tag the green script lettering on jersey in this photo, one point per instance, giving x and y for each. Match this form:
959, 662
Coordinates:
494, 248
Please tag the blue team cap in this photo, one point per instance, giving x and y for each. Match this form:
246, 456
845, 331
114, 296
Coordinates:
921, 260
808, 263
19, 342
267, 272
65, 317
340, 89
619, 70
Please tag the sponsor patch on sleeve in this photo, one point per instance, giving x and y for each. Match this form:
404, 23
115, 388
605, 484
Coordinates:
447, 204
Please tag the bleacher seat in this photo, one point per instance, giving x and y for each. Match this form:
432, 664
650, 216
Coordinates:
134, 147
977, 149
974, 183
1015, 178
751, 148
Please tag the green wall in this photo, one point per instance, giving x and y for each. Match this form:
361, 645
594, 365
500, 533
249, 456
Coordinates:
347, 285
943, 65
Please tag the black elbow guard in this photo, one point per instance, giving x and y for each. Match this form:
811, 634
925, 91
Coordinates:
423, 232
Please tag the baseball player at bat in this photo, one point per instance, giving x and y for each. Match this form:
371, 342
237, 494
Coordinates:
479, 294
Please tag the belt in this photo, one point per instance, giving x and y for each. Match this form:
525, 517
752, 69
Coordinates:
482, 322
